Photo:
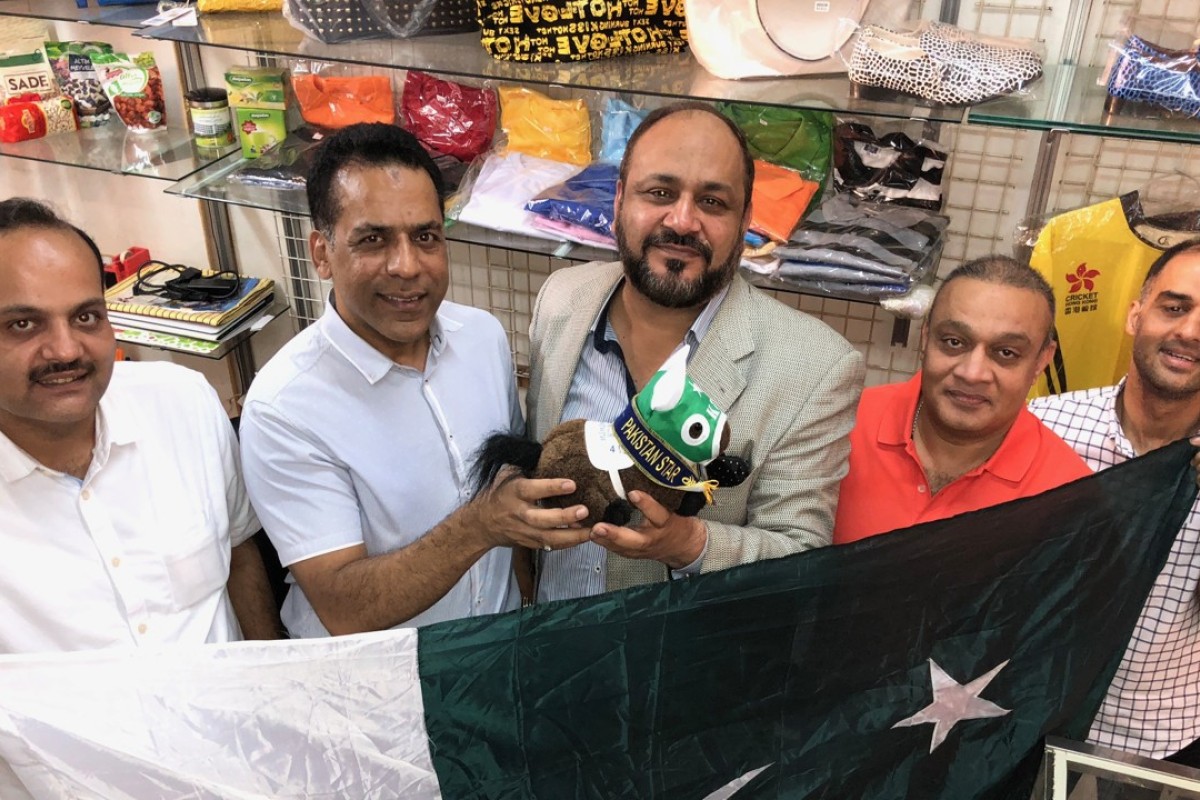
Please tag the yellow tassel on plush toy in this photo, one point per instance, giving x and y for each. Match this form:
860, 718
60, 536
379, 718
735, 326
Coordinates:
213, 6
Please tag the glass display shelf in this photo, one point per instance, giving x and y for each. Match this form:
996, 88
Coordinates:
1069, 99
130, 335
1066, 97
462, 55
67, 11
167, 155
214, 183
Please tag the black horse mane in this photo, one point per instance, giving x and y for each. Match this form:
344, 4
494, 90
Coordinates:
502, 450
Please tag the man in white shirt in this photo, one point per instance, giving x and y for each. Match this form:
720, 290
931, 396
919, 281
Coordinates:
358, 437
1153, 704
125, 522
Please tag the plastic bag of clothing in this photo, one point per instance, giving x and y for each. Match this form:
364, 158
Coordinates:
505, 183
559, 130
586, 199
791, 137
781, 196
875, 249
617, 123
448, 117
891, 167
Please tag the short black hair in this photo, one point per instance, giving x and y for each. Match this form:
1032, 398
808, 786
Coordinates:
374, 144
1161, 262
20, 213
1005, 271
659, 114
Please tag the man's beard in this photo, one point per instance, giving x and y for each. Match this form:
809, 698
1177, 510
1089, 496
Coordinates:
671, 290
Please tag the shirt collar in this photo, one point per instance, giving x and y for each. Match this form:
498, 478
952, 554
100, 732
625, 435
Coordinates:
603, 333
1115, 433
1011, 460
116, 425
370, 363
896, 429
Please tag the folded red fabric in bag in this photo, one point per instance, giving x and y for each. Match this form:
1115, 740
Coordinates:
448, 117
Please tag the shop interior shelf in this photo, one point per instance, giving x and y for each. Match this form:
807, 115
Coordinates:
677, 75
1065, 98
1069, 98
167, 155
214, 183
130, 335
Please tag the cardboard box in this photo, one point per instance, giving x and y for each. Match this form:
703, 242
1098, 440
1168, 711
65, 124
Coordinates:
260, 129
259, 99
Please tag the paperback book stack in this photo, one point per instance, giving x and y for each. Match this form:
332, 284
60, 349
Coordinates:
191, 325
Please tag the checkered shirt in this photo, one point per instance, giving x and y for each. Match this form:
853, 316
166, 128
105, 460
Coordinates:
1153, 705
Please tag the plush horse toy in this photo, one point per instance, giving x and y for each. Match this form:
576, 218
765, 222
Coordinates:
668, 443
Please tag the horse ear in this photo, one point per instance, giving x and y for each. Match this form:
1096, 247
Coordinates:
668, 391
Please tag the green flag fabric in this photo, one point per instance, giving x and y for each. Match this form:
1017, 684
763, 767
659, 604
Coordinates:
926, 663
929, 663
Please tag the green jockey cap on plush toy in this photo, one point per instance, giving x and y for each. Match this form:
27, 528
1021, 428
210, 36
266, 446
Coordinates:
671, 427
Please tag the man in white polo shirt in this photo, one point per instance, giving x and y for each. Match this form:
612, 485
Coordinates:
358, 437
124, 520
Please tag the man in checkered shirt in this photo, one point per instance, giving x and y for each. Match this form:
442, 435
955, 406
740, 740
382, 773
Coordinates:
1153, 705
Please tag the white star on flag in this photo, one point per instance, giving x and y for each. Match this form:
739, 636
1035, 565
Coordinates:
953, 703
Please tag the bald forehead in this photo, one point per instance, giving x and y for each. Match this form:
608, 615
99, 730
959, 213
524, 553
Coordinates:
691, 119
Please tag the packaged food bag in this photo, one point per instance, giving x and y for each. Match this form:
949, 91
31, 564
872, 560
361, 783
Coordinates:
32, 119
76, 76
134, 87
24, 70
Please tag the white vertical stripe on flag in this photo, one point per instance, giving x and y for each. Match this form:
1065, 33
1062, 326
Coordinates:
316, 718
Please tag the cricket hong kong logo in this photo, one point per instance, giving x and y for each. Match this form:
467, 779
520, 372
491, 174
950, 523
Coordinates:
1082, 295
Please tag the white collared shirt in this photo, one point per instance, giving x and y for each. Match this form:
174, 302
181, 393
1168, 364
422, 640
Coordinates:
344, 447
137, 552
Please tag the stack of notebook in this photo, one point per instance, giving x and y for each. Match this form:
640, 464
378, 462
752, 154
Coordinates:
208, 320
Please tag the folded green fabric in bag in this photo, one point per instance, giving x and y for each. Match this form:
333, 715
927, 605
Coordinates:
790, 137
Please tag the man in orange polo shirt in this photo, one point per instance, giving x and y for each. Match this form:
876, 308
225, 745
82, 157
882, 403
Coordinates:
957, 436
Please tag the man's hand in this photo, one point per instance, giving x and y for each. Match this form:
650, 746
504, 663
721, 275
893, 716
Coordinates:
663, 536
509, 512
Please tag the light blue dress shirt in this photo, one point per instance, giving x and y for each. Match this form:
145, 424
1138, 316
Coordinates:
600, 389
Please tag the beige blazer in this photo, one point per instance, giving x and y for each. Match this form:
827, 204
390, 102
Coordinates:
789, 383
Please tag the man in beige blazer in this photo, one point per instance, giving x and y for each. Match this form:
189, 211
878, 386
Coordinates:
789, 383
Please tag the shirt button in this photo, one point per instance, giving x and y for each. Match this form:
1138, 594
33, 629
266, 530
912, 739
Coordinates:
597, 568
142, 628
921, 488
86, 494
116, 562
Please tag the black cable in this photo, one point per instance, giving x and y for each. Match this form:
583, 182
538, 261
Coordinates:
189, 285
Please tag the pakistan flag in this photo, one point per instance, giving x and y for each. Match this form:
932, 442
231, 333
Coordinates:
928, 663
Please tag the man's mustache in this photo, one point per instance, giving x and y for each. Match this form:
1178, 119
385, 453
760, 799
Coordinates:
53, 368
666, 236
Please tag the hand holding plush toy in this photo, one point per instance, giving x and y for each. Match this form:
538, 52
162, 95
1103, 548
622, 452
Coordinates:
668, 443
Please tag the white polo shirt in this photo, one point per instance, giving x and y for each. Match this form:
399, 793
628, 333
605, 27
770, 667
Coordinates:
137, 552
344, 447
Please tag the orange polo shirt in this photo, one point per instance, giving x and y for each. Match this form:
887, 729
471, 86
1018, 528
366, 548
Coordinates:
886, 488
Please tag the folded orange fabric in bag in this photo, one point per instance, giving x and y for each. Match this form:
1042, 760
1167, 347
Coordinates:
780, 198
340, 101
